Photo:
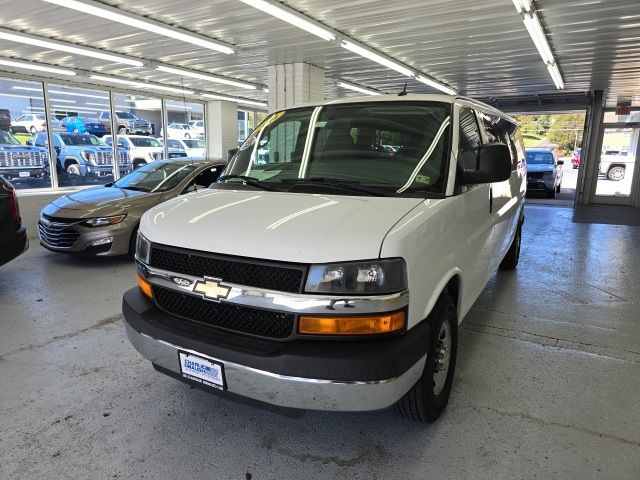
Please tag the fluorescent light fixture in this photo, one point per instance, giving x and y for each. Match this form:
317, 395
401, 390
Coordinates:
106, 105
39, 99
234, 99
62, 100
177, 105
35, 66
288, 15
357, 88
65, 47
136, 21
142, 85
555, 75
61, 92
437, 85
363, 52
532, 23
208, 78
522, 5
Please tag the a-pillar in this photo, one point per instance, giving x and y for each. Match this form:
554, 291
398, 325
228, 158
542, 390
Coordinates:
294, 84
221, 123
590, 154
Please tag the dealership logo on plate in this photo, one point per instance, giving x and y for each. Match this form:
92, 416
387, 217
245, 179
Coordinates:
211, 289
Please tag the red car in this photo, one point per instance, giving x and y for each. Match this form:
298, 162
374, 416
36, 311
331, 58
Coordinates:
575, 160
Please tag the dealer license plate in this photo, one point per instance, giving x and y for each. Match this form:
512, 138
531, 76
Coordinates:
202, 370
24, 174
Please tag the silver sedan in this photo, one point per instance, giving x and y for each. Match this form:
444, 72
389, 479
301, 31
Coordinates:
104, 220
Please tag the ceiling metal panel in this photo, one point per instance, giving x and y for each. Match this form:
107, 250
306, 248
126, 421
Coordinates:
481, 48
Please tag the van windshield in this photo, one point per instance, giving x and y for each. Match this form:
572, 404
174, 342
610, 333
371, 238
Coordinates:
390, 148
539, 158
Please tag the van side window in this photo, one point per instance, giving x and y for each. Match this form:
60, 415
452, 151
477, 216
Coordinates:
469, 140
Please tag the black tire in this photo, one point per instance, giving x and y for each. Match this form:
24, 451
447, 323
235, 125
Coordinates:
422, 403
122, 130
132, 243
138, 163
551, 193
33, 130
558, 188
511, 259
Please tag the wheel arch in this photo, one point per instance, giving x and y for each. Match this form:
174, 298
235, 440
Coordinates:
69, 160
451, 284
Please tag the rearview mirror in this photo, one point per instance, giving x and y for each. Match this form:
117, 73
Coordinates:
494, 165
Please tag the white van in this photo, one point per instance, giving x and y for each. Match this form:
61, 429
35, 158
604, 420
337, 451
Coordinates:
329, 272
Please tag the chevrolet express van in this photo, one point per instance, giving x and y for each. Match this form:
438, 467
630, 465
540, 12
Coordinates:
328, 271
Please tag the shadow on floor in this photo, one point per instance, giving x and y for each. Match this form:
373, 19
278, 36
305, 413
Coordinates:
607, 214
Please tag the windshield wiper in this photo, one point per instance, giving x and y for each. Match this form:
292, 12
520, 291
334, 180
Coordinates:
254, 182
347, 186
137, 189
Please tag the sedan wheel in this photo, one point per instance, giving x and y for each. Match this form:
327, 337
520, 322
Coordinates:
73, 170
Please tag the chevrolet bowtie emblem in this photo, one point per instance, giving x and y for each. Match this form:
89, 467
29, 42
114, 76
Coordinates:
210, 289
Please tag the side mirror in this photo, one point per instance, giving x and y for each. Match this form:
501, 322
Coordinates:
560, 162
29, 143
231, 152
494, 165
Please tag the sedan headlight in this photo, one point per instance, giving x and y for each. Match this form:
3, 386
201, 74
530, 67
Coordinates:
371, 278
143, 248
103, 221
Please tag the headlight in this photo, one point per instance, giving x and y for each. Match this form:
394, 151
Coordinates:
103, 221
373, 277
143, 248
549, 176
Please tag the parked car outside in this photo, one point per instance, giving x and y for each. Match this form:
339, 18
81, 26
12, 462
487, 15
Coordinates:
334, 276
81, 155
143, 150
194, 146
128, 123
198, 126
34, 123
180, 130
544, 171
77, 124
104, 220
5, 119
23, 162
613, 164
575, 159
13, 234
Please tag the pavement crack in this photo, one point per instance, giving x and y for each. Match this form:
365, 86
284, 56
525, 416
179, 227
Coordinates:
550, 423
32, 346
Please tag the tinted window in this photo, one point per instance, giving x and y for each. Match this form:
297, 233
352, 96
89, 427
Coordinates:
145, 142
469, 143
539, 158
156, 177
80, 140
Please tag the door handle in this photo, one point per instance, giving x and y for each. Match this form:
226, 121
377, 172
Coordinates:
490, 198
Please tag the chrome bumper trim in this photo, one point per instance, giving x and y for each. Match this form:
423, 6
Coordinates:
286, 391
297, 303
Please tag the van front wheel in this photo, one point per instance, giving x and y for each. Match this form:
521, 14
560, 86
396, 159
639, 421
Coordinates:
428, 398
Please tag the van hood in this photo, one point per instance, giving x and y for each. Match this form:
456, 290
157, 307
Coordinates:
279, 226
540, 167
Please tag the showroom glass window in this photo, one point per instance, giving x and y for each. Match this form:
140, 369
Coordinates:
186, 127
82, 156
22, 115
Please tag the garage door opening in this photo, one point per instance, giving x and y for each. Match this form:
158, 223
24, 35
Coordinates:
553, 142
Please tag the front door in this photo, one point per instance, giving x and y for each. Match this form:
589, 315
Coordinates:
616, 175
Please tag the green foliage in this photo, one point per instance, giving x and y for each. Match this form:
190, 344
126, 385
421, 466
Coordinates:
566, 131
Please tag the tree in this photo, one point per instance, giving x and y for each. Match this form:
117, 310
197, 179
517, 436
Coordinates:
566, 130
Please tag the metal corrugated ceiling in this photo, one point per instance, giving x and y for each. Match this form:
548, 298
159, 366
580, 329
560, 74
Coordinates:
481, 48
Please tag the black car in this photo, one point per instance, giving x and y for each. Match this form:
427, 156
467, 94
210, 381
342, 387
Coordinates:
13, 235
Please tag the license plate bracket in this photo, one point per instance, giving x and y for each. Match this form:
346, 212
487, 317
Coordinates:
202, 370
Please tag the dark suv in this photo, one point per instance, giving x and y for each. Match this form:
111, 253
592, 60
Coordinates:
21, 162
84, 154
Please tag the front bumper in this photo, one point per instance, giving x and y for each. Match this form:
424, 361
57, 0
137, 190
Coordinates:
120, 235
336, 375
20, 173
540, 184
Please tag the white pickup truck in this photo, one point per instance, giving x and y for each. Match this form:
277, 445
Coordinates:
328, 273
613, 164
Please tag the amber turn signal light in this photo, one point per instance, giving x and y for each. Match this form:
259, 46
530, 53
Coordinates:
145, 286
386, 323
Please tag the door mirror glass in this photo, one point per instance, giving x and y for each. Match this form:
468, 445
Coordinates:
494, 165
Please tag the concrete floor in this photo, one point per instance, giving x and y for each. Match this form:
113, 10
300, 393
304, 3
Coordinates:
547, 384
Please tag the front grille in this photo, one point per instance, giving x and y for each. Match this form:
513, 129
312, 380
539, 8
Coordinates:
264, 323
535, 175
22, 159
58, 234
249, 272
102, 158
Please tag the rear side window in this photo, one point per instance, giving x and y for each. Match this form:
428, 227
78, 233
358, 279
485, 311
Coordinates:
469, 143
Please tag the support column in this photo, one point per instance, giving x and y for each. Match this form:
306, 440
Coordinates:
221, 124
294, 84
590, 155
